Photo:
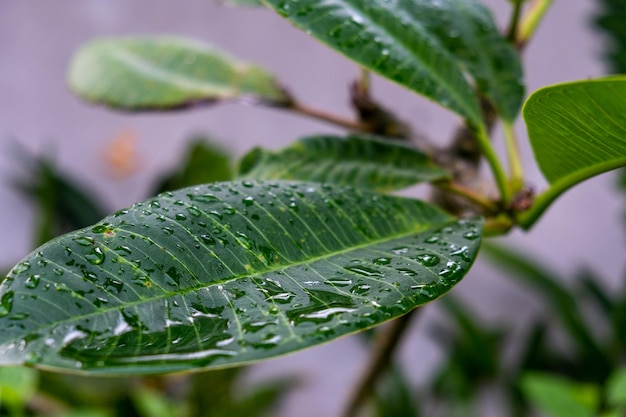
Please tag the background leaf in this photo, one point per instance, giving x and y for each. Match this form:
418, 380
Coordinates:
577, 130
253, 3
165, 73
396, 40
558, 397
226, 274
356, 160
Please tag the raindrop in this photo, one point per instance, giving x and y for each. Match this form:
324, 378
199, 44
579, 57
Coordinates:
32, 282
274, 310
337, 282
248, 201
180, 216
463, 253
363, 270
21, 267
407, 272
204, 198
432, 239
400, 250
194, 211
6, 304
471, 235
360, 289
382, 261
427, 259
248, 184
96, 257
167, 230
84, 240
282, 298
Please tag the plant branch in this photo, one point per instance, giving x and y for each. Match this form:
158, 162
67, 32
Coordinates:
365, 82
530, 21
385, 343
514, 22
469, 194
327, 117
516, 180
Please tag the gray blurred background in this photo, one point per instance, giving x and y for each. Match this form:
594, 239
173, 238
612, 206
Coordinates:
38, 37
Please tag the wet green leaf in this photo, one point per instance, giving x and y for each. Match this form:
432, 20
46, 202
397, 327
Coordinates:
228, 273
163, 73
356, 160
577, 131
558, 397
424, 45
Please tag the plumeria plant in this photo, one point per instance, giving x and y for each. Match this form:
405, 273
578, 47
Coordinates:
308, 243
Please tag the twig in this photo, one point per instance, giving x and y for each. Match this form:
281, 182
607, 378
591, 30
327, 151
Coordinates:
470, 194
385, 344
514, 22
327, 117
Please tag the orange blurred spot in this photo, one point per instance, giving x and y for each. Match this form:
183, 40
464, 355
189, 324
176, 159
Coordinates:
120, 154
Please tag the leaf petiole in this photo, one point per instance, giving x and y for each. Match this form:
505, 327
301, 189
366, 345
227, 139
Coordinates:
516, 181
482, 138
531, 20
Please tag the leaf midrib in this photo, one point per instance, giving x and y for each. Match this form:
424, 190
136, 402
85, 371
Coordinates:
234, 278
158, 73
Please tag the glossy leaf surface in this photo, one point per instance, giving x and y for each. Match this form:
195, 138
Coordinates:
424, 45
360, 161
577, 130
226, 274
164, 73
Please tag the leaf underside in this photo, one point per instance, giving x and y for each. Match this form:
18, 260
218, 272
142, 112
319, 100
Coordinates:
226, 274
424, 45
161, 73
356, 160
577, 130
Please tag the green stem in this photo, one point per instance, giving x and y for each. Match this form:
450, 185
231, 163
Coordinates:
365, 82
546, 198
531, 20
516, 181
494, 162
514, 22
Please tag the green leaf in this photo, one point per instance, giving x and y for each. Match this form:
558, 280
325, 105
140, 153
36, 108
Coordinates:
226, 274
577, 130
409, 42
17, 386
558, 397
356, 160
248, 3
616, 389
163, 73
